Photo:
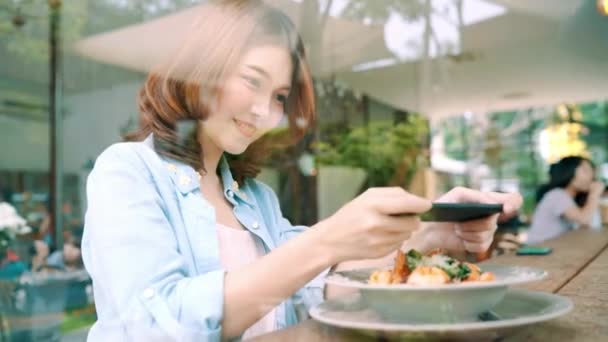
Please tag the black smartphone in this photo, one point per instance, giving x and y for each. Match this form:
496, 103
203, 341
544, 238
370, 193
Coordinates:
460, 212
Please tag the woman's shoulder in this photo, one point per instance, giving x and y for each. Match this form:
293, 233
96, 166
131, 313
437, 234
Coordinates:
139, 155
127, 152
137, 158
556, 193
557, 198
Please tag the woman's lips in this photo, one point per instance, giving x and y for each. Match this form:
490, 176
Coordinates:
245, 128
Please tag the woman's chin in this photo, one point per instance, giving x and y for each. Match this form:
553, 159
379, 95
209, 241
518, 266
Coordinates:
235, 149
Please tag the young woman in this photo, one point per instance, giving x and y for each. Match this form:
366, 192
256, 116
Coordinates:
183, 243
569, 199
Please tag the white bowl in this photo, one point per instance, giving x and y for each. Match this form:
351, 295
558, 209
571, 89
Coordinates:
438, 303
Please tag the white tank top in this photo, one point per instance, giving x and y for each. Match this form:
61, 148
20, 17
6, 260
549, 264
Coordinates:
238, 248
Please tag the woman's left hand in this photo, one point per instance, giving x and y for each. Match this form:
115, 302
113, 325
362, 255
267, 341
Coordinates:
472, 236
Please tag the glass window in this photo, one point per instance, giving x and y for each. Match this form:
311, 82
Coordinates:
426, 95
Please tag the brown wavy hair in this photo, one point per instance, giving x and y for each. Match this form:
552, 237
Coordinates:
180, 93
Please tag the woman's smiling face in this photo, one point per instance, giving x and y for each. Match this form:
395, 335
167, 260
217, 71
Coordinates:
252, 99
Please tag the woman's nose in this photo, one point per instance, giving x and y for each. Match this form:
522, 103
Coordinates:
260, 109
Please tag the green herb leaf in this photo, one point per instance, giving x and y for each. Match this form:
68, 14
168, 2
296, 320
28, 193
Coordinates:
414, 258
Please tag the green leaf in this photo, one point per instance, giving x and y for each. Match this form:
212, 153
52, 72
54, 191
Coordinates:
414, 258
463, 271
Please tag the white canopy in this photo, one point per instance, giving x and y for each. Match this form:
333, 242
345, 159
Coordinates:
536, 53
526, 53
143, 45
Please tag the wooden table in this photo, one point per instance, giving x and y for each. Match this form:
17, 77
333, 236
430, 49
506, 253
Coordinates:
578, 269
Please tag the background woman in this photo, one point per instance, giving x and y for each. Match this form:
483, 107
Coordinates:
570, 198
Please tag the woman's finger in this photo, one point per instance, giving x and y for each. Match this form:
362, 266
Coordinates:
460, 195
511, 202
484, 224
476, 237
386, 243
396, 201
400, 224
477, 247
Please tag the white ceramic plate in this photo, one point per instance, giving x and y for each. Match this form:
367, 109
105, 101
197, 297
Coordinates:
518, 308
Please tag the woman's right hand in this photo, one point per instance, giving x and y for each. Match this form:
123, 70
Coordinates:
596, 189
372, 225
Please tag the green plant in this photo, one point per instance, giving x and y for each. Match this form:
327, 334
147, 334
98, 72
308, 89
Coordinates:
79, 318
383, 149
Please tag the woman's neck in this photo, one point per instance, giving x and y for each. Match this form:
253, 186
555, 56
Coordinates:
211, 156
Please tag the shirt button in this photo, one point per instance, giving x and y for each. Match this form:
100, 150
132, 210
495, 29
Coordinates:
255, 225
148, 293
230, 193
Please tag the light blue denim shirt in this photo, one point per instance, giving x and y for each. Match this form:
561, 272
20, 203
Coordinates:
151, 248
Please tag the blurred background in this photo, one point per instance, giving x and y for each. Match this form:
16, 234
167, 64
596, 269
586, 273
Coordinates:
423, 94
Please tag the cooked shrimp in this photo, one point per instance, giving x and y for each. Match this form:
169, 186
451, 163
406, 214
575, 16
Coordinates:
400, 268
475, 272
428, 275
473, 267
434, 268
381, 277
397, 278
487, 276
436, 251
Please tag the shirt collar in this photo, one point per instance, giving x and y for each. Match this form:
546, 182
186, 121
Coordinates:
231, 187
186, 179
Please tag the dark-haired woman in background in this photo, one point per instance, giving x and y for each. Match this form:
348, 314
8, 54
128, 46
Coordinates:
569, 199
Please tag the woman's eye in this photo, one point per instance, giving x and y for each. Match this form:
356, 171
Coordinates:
281, 98
252, 81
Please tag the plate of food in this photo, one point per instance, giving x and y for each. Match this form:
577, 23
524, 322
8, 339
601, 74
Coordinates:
433, 287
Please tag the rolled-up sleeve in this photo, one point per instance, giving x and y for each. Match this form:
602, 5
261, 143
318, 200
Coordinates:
141, 286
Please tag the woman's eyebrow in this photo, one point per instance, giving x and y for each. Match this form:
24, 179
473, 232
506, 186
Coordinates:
264, 73
259, 70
